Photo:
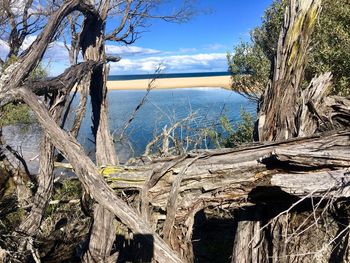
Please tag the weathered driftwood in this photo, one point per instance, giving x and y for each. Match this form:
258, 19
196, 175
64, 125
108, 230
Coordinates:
315, 166
10, 82
318, 110
45, 179
211, 170
312, 103
177, 187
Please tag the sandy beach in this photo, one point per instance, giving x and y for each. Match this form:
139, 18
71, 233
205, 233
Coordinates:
169, 83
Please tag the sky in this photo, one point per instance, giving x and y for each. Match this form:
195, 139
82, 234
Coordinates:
199, 45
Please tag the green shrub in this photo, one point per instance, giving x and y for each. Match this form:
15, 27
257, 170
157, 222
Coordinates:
240, 133
233, 135
15, 113
19, 113
329, 49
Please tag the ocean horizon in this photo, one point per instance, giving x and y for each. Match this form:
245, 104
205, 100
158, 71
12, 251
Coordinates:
168, 75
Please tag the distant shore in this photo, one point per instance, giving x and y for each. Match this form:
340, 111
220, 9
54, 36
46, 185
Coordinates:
171, 83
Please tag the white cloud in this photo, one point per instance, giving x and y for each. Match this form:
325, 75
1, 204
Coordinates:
187, 50
214, 47
137, 59
28, 41
18, 6
57, 52
130, 50
179, 63
4, 49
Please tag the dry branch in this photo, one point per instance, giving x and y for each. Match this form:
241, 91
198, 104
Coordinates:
91, 179
64, 82
227, 178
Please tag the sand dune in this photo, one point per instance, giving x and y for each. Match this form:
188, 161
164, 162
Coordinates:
168, 83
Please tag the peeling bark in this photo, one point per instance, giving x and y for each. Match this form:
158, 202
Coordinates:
315, 166
92, 42
278, 113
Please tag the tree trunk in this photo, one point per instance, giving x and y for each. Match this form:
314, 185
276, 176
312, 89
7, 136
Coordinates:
278, 114
45, 177
92, 42
225, 178
305, 167
92, 181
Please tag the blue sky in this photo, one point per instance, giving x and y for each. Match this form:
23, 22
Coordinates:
199, 45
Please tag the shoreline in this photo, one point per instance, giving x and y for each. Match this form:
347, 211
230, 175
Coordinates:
171, 83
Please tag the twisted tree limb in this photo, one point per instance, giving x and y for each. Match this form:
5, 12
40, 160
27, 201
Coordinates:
64, 82
227, 179
91, 180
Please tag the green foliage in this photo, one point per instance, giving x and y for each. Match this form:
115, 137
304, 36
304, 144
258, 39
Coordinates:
39, 72
329, 48
331, 45
250, 68
11, 215
67, 190
13, 219
15, 113
233, 135
266, 36
240, 133
19, 113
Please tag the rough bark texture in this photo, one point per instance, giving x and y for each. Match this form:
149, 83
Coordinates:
171, 191
248, 232
92, 181
306, 167
81, 108
45, 183
9, 88
313, 105
64, 82
92, 42
14, 75
278, 114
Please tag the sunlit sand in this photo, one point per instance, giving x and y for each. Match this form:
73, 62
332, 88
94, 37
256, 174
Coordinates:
168, 83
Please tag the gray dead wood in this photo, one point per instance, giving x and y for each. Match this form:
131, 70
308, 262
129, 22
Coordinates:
313, 166
45, 178
64, 82
277, 116
92, 41
13, 78
319, 111
92, 181
14, 75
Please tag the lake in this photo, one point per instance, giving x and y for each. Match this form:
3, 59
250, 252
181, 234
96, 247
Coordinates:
164, 108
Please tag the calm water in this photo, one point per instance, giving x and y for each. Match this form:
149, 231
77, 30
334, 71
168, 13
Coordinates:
168, 75
164, 107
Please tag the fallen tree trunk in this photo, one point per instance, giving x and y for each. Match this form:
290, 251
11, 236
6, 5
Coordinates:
223, 178
315, 166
